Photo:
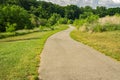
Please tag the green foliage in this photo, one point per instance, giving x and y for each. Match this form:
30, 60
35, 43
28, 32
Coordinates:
25, 13
45, 10
85, 20
62, 21
72, 12
53, 20
111, 27
101, 11
34, 20
117, 14
79, 22
11, 27
92, 18
85, 15
70, 21
113, 11
88, 9
106, 27
43, 22
14, 14
91, 24
98, 28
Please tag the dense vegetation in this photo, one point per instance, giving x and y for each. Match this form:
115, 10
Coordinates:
92, 23
27, 14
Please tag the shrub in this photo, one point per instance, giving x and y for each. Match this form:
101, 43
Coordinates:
41, 28
92, 18
14, 14
70, 21
79, 23
11, 27
85, 15
106, 27
34, 20
98, 28
111, 27
43, 22
62, 21
53, 20
118, 15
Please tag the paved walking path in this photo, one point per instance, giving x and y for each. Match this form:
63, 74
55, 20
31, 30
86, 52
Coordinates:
65, 59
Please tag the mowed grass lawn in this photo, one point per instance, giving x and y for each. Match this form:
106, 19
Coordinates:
105, 42
20, 55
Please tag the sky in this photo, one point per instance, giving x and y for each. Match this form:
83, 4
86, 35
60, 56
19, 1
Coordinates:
116, 1
92, 3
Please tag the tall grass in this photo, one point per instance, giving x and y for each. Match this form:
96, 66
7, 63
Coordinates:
108, 23
110, 19
106, 42
92, 24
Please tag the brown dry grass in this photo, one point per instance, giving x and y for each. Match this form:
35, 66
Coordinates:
110, 19
105, 42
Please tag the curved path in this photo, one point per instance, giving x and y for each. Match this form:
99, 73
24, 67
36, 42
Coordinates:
65, 59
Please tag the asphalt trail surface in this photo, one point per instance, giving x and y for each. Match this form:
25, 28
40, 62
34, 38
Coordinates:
65, 59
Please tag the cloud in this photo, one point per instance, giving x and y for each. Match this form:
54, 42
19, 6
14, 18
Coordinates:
116, 1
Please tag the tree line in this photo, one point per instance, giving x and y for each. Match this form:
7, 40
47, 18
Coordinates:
27, 14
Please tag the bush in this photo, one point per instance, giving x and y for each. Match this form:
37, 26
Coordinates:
53, 20
118, 15
14, 14
85, 15
106, 27
92, 18
11, 27
111, 27
34, 20
87, 23
70, 21
98, 28
78, 23
62, 21
43, 22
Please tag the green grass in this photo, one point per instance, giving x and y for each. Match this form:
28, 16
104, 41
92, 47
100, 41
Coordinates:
20, 55
105, 42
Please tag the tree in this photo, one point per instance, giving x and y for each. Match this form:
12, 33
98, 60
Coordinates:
87, 9
14, 14
113, 11
101, 11
85, 15
72, 12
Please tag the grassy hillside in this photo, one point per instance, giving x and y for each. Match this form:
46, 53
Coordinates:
20, 55
106, 41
